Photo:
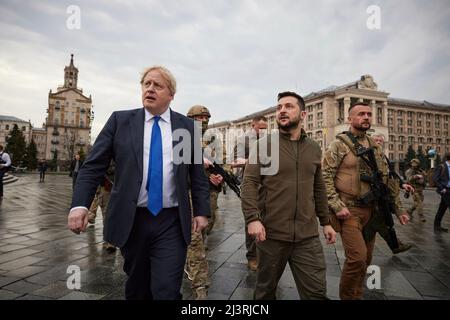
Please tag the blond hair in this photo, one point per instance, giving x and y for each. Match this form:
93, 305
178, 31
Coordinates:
166, 74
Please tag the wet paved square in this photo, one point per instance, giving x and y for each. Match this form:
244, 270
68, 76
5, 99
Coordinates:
36, 249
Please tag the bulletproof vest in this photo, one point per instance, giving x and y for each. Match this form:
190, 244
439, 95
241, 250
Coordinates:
348, 181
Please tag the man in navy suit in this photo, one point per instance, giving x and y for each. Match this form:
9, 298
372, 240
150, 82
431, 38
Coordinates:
442, 181
149, 213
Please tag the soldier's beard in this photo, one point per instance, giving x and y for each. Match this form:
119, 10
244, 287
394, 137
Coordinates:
292, 124
360, 127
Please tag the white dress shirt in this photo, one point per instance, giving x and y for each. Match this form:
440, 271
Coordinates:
5, 157
169, 192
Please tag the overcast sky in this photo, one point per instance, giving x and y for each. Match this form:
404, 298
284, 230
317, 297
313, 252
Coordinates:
232, 56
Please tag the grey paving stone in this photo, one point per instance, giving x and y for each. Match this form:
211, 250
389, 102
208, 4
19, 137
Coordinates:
78, 295
13, 255
54, 290
32, 297
9, 295
7, 280
25, 271
19, 263
21, 287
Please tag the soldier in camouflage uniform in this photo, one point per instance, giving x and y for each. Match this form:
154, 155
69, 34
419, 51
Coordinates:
196, 264
416, 177
377, 223
102, 199
350, 197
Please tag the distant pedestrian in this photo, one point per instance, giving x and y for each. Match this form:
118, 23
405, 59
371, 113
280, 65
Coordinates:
42, 167
441, 178
5, 165
75, 167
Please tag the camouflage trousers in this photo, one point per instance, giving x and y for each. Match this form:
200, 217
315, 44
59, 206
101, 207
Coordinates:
213, 196
101, 199
418, 203
196, 263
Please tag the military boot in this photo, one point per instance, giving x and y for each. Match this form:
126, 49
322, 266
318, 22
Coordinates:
402, 247
200, 293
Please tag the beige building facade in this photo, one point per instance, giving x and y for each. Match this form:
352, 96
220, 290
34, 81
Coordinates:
7, 124
68, 122
403, 122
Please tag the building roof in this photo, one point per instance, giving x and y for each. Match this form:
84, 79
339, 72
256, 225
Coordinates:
255, 114
417, 103
11, 118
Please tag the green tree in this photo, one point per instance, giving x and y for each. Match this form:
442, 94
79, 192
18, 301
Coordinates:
31, 156
16, 145
410, 154
424, 162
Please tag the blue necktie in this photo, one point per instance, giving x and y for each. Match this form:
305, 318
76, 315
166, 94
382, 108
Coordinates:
155, 170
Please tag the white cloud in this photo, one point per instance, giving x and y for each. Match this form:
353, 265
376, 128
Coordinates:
232, 56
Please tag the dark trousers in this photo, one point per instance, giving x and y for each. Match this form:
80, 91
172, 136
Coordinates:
74, 179
2, 173
154, 256
443, 206
250, 244
41, 175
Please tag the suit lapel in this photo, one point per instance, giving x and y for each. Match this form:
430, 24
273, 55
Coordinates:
137, 134
175, 124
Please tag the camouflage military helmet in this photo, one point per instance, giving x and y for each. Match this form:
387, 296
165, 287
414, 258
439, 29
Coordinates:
198, 110
415, 161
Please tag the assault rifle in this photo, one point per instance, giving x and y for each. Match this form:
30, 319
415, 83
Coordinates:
229, 179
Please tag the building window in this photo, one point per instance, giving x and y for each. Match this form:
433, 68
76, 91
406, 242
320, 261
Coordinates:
391, 156
24, 128
400, 147
409, 122
428, 132
7, 127
419, 131
319, 124
400, 157
401, 139
438, 133
438, 141
430, 140
400, 122
410, 141
391, 146
409, 130
379, 115
400, 130
310, 117
319, 115
399, 113
419, 123
410, 114
419, 115
420, 140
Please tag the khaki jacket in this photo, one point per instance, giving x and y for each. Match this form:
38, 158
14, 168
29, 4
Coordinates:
288, 202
